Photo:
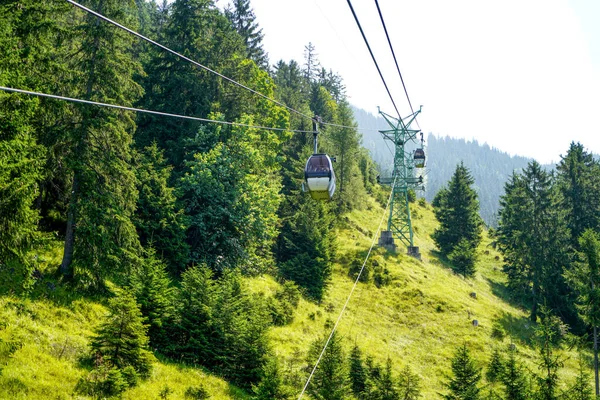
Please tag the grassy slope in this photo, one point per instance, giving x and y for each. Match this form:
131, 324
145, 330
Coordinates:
418, 319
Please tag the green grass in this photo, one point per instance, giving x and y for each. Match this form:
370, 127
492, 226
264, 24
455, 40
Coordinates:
418, 319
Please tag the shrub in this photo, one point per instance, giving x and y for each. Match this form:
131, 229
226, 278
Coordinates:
196, 393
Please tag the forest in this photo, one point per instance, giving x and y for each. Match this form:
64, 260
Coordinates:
186, 239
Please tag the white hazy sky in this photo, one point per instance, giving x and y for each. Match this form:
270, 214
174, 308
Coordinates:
521, 75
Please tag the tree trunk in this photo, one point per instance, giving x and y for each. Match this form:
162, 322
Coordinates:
596, 360
65, 267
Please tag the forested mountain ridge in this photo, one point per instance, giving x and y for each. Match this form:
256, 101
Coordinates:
146, 256
490, 167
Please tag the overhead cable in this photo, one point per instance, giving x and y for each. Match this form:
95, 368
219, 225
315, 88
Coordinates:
337, 322
164, 114
139, 35
395, 60
372, 56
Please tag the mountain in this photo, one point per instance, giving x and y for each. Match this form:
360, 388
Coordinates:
489, 166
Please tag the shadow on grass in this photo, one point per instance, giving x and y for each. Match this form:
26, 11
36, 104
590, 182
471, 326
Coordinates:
519, 329
232, 390
501, 291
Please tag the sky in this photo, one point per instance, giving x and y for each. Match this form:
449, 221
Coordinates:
520, 75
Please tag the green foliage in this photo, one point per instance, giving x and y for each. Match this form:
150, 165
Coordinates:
271, 386
385, 385
101, 240
358, 374
457, 210
463, 384
306, 245
231, 196
243, 20
121, 339
495, 369
533, 238
514, 379
221, 326
498, 331
581, 388
579, 184
330, 380
409, 384
463, 257
197, 393
153, 291
158, 220
103, 381
283, 304
548, 335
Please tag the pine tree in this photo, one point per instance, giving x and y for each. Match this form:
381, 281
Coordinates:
458, 214
581, 389
584, 278
306, 245
243, 20
330, 380
463, 385
579, 184
311, 63
357, 374
153, 291
533, 237
514, 379
159, 221
121, 340
463, 257
100, 237
548, 335
195, 316
385, 386
495, 368
271, 385
409, 385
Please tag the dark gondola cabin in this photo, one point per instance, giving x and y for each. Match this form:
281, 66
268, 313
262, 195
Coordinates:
319, 177
419, 158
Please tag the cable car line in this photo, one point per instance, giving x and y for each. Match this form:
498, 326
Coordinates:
395, 60
164, 114
372, 56
375, 235
139, 35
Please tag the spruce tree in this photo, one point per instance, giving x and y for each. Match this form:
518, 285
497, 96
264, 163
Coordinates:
495, 368
548, 335
100, 237
457, 210
385, 386
579, 184
581, 389
463, 384
357, 374
330, 380
159, 221
514, 379
271, 386
533, 238
152, 289
409, 385
584, 278
121, 340
242, 18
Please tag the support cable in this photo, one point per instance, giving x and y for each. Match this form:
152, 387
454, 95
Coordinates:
395, 60
164, 114
349, 297
139, 35
372, 56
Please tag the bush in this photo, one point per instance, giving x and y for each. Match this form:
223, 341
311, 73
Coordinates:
102, 381
498, 331
196, 393
283, 304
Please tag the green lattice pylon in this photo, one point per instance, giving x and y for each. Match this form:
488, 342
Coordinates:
403, 178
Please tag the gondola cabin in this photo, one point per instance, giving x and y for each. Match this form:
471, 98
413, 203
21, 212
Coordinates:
319, 178
419, 158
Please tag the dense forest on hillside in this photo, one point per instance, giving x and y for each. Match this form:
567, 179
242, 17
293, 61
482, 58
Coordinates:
188, 245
